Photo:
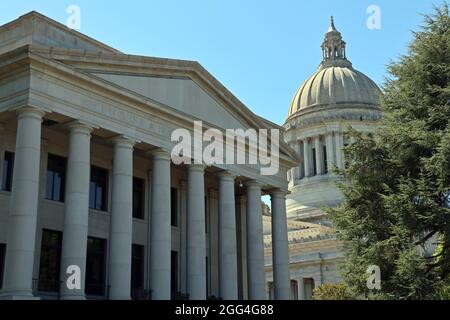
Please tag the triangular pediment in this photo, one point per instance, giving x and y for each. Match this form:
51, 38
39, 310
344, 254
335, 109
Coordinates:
180, 93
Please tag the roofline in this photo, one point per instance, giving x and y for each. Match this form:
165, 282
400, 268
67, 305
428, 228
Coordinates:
38, 15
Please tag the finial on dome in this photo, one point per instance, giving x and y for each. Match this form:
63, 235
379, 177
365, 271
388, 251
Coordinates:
333, 47
332, 27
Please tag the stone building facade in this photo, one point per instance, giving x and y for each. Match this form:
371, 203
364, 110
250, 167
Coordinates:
88, 182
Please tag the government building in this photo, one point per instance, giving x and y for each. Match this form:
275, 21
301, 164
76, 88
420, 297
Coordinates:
334, 98
91, 205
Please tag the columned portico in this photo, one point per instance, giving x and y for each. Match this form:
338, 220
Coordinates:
121, 220
76, 210
160, 227
196, 238
228, 279
83, 186
18, 276
280, 250
255, 243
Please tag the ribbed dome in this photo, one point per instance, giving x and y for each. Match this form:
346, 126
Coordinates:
336, 81
335, 85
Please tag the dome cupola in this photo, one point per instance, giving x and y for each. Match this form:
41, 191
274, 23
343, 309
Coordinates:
336, 82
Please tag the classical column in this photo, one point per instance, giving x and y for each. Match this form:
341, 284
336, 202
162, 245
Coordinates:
121, 220
301, 168
196, 279
160, 235
306, 157
2, 151
255, 243
330, 151
339, 142
297, 170
301, 289
293, 172
280, 249
319, 156
76, 209
227, 238
290, 175
18, 276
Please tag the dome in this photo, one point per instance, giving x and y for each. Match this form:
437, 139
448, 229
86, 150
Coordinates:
336, 81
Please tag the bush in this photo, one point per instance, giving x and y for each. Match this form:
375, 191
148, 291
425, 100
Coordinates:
333, 291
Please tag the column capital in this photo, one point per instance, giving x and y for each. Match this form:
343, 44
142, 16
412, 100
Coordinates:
278, 193
77, 126
226, 175
159, 154
196, 167
122, 141
30, 112
253, 184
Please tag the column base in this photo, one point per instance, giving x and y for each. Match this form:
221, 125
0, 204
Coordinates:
73, 297
17, 296
119, 298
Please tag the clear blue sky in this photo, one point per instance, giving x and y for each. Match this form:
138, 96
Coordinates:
261, 50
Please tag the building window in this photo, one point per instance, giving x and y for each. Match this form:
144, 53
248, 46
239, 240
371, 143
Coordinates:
8, 167
50, 261
314, 161
294, 290
308, 287
138, 198
174, 272
2, 262
98, 191
137, 272
95, 267
325, 160
174, 206
56, 176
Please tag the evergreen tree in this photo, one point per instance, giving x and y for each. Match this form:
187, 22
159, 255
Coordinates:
397, 181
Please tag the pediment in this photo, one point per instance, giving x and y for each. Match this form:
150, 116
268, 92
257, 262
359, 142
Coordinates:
180, 93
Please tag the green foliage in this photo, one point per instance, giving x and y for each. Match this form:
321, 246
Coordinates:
333, 291
397, 182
